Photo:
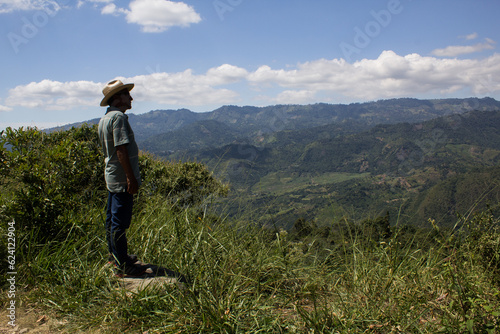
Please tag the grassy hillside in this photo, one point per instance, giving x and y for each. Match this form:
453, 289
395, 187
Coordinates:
349, 276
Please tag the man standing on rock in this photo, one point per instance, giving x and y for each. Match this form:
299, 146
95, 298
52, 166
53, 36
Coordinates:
121, 173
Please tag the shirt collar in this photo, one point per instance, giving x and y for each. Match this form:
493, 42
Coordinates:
110, 108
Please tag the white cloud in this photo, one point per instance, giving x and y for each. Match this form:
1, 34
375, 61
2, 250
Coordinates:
182, 88
54, 95
225, 74
188, 89
470, 36
456, 50
156, 15
81, 3
388, 76
7, 6
5, 108
109, 9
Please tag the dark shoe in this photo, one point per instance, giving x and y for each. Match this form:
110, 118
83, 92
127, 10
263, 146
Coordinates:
130, 270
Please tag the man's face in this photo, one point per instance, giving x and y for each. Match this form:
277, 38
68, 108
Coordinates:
126, 100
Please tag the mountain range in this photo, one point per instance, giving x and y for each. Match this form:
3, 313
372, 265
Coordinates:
253, 121
416, 159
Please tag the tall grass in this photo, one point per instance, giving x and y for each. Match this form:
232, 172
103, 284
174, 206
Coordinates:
245, 279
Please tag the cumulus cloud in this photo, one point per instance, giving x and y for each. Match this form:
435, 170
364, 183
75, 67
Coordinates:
457, 50
225, 74
155, 15
7, 6
182, 88
188, 89
388, 76
54, 95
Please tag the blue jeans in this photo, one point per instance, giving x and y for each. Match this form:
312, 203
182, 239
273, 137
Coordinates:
118, 218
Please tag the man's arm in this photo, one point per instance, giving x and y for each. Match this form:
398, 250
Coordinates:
132, 184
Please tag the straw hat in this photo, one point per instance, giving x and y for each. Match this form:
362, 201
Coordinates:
112, 88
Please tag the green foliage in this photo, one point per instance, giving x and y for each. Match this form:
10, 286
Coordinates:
482, 238
46, 175
302, 228
471, 263
378, 229
183, 184
462, 194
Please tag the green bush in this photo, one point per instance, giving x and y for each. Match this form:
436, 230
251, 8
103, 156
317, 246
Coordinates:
181, 184
46, 175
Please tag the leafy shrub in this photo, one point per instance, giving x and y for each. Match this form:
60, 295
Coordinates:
182, 184
45, 175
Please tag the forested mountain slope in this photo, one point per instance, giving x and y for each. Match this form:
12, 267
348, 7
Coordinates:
324, 161
393, 167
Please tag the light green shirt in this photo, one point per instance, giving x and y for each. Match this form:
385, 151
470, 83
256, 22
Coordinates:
115, 130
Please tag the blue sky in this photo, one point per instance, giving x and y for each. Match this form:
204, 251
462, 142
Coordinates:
202, 54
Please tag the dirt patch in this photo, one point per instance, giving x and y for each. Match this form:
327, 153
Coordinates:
29, 321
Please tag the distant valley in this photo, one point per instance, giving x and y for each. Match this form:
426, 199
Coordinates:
415, 159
